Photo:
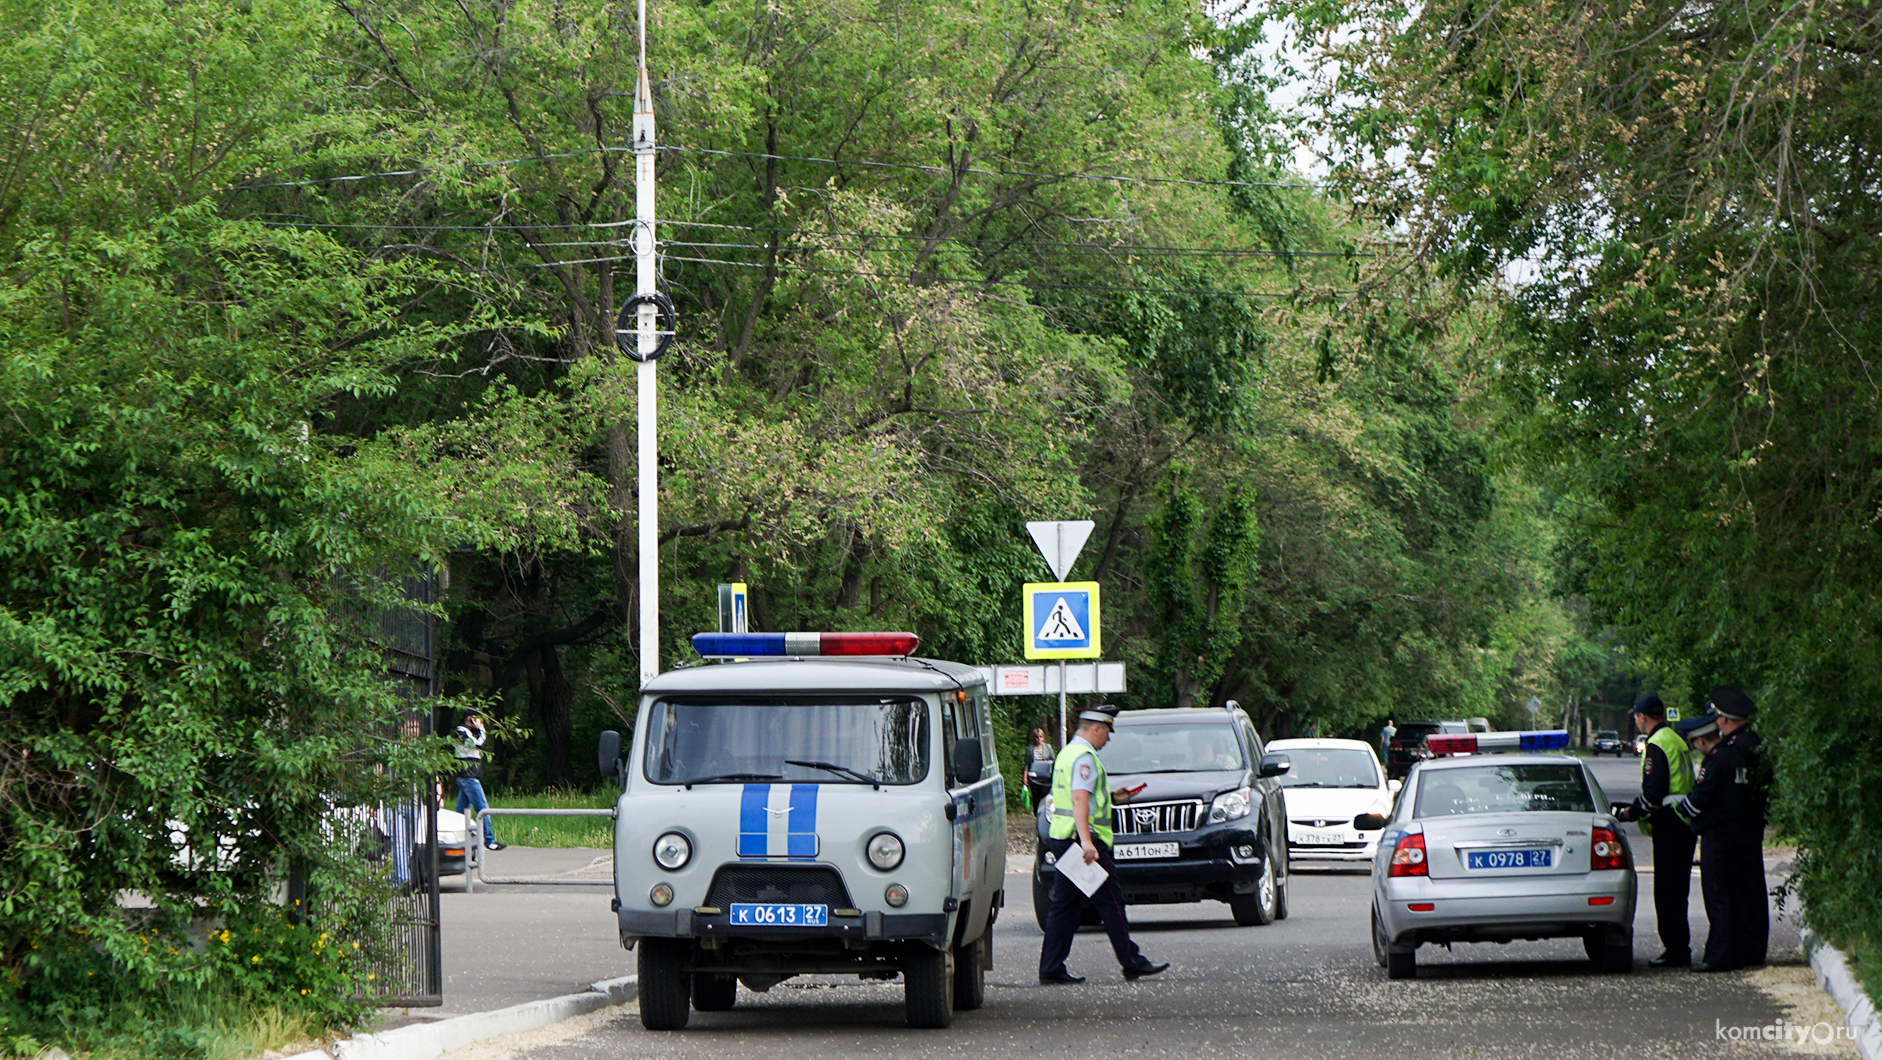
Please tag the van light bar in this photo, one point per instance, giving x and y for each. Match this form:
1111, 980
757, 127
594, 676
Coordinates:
1485, 742
759, 645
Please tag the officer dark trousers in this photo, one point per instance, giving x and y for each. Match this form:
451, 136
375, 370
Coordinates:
1731, 876
1672, 878
1068, 900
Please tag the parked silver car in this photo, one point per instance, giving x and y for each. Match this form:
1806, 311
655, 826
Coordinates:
1497, 847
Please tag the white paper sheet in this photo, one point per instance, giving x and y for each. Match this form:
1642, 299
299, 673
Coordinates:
1087, 877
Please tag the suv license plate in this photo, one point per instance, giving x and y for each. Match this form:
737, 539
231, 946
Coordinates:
780, 915
1510, 859
1138, 851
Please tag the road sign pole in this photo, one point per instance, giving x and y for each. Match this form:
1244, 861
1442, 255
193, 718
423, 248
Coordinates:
1062, 703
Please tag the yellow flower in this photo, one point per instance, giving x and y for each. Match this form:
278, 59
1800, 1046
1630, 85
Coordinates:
256, 959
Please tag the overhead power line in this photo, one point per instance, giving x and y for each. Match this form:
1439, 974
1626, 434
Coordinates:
859, 163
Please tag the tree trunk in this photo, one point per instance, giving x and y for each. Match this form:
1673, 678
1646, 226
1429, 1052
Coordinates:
551, 698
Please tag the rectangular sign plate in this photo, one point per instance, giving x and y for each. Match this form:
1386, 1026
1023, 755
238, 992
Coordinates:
769, 915
1510, 859
1140, 851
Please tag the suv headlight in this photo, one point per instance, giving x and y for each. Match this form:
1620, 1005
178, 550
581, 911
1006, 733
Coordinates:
885, 850
672, 850
1231, 804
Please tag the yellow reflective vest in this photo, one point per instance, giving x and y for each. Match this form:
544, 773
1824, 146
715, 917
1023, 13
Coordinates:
1063, 823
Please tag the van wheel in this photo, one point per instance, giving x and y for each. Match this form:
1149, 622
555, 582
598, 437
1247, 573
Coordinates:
714, 993
970, 978
928, 986
1257, 908
663, 986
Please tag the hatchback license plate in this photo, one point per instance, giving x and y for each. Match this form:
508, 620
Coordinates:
755, 915
1510, 859
1139, 851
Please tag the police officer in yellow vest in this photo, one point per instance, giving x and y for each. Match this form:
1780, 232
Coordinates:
1666, 769
1081, 827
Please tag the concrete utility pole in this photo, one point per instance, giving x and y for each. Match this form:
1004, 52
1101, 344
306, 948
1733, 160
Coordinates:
646, 269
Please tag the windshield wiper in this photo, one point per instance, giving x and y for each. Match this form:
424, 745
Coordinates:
728, 777
839, 770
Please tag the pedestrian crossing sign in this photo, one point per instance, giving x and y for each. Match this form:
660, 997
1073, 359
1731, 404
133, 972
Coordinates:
1062, 620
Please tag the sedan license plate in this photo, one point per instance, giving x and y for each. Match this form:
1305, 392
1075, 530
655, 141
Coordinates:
1139, 851
768, 915
1510, 859
1321, 839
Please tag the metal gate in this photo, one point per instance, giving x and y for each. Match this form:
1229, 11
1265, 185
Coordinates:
411, 974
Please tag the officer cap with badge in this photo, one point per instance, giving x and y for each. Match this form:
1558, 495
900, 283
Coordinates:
1729, 702
1104, 712
1700, 725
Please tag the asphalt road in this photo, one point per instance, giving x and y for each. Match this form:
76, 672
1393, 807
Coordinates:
1303, 987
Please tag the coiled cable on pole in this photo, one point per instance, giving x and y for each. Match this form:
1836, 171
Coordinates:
627, 329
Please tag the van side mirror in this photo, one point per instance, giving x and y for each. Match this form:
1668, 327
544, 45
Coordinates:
608, 754
1274, 764
967, 761
1368, 822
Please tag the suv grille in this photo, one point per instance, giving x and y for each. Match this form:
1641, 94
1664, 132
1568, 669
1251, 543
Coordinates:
809, 885
1155, 817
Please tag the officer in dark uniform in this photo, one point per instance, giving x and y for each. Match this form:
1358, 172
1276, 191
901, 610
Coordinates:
1726, 807
1665, 769
1081, 827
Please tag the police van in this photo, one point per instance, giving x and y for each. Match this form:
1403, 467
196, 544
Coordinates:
809, 803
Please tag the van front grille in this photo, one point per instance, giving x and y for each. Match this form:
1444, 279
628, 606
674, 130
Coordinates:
798, 885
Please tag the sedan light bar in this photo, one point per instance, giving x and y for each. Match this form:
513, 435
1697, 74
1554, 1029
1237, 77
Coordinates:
1486, 742
776, 645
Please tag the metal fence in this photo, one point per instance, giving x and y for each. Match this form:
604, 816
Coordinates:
474, 868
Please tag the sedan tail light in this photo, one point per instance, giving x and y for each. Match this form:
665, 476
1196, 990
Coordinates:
1608, 851
1408, 857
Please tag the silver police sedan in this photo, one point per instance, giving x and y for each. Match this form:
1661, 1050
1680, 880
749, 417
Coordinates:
1496, 847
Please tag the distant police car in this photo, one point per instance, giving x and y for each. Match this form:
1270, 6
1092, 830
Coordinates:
1490, 848
790, 813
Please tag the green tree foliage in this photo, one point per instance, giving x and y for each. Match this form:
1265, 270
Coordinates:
1690, 191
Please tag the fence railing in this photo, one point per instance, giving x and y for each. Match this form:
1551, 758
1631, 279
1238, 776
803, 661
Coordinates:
474, 849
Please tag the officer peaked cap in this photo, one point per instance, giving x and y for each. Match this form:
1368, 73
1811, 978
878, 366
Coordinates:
1729, 702
1703, 725
1650, 706
1106, 714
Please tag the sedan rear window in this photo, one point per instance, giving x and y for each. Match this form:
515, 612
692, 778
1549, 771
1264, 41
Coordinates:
1504, 789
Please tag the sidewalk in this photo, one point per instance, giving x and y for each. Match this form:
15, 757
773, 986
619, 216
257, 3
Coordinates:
507, 945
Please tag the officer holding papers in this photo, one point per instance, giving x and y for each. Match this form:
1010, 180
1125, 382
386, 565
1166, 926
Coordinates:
1080, 842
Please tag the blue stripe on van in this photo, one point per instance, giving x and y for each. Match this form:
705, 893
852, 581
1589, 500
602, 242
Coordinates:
801, 839
753, 840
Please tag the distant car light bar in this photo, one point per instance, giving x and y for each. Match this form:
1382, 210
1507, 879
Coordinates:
760, 645
1486, 742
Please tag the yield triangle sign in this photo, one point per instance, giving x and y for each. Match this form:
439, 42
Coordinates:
1061, 624
1060, 542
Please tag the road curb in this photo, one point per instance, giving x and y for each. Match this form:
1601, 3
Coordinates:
1859, 1015
423, 1041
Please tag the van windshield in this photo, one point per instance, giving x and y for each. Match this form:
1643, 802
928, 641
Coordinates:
827, 740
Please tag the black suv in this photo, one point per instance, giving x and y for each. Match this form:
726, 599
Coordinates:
1408, 744
1211, 824
1609, 742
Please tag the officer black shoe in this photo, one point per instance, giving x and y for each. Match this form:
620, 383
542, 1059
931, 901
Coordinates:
1146, 968
1671, 960
1704, 967
1062, 976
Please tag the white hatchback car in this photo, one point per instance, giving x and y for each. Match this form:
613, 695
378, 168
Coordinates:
1332, 782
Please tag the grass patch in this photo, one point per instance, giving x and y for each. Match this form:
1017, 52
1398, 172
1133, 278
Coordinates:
557, 831
186, 1025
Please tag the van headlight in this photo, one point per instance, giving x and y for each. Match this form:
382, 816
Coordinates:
885, 850
672, 850
1230, 804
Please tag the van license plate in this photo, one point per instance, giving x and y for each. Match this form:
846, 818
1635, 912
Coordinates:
1510, 859
1136, 851
780, 915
